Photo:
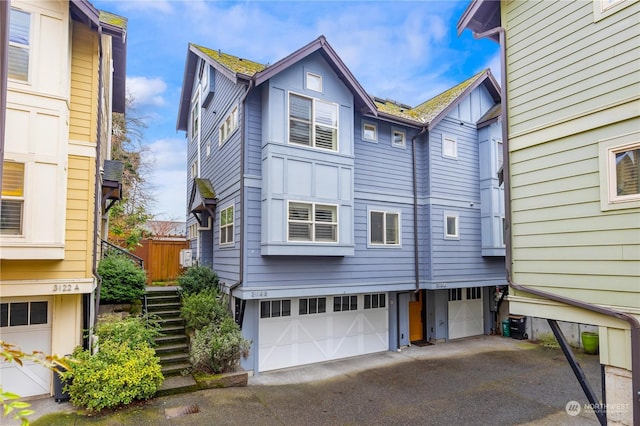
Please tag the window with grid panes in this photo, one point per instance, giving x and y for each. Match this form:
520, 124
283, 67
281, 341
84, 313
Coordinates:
275, 308
312, 305
312, 222
374, 301
226, 226
313, 122
384, 228
345, 303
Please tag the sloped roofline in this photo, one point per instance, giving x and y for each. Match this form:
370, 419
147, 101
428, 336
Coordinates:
481, 16
487, 79
363, 100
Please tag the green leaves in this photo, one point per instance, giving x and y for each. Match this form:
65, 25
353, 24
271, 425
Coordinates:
122, 281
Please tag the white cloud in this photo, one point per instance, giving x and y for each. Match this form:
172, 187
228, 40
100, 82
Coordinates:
147, 91
169, 178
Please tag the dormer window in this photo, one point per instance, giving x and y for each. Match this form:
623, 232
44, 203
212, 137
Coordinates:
314, 82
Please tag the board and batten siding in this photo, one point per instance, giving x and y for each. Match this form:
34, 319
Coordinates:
573, 81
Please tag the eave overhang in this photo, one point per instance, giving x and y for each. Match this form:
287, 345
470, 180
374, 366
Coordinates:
112, 175
202, 199
481, 16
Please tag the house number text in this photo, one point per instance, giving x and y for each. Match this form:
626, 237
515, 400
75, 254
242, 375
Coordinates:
259, 294
63, 288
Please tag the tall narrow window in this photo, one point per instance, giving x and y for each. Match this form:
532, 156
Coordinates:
19, 44
12, 198
195, 119
226, 226
313, 122
384, 228
228, 126
499, 156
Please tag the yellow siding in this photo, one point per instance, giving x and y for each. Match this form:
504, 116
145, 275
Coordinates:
568, 77
84, 84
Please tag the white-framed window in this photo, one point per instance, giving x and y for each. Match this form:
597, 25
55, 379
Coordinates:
202, 74
194, 169
312, 305
16, 314
208, 148
312, 222
451, 226
384, 228
398, 138
449, 147
192, 231
12, 198
19, 44
620, 172
226, 226
314, 82
195, 118
228, 126
375, 301
369, 132
604, 8
345, 303
313, 122
499, 155
275, 308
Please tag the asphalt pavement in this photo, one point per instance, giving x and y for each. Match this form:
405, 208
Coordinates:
474, 381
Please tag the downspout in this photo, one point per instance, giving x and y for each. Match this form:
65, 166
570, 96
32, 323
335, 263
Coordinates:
97, 212
416, 259
630, 319
238, 283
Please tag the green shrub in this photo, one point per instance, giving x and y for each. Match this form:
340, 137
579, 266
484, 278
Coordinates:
122, 280
202, 309
218, 349
134, 330
198, 278
116, 375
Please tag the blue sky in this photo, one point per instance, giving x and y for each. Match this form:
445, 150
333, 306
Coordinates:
407, 51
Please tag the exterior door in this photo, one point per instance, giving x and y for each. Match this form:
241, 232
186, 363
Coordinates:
416, 325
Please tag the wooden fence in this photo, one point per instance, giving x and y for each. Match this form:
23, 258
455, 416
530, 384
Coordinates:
161, 258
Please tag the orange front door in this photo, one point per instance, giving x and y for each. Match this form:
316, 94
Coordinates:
416, 328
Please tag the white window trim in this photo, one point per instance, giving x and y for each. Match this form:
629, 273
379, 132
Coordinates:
385, 211
313, 222
456, 216
195, 121
375, 131
604, 8
228, 126
21, 199
232, 225
29, 47
607, 148
313, 123
393, 138
499, 150
313, 75
455, 146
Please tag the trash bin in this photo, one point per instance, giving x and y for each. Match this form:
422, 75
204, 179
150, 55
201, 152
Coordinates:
517, 327
59, 393
506, 332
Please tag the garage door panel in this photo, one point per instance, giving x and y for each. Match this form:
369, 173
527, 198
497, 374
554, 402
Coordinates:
321, 337
465, 318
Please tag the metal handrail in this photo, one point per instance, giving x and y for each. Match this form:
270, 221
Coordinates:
107, 247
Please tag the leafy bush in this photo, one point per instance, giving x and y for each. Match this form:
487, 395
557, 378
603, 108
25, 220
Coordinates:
218, 349
198, 278
131, 330
122, 281
117, 374
201, 309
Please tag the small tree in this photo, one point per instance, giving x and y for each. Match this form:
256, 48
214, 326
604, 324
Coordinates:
198, 278
122, 280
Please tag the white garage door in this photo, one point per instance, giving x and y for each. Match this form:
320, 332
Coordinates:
307, 330
465, 312
26, 323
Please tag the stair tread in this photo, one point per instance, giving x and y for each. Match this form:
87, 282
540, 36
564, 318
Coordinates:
171, 347
173, 357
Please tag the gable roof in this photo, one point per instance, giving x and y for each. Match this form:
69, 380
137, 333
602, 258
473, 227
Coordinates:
240, 69
429, 113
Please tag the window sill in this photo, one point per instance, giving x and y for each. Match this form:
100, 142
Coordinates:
30, 252
306, 249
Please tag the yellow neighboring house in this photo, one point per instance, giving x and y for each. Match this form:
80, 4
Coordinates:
571, 127
66, 74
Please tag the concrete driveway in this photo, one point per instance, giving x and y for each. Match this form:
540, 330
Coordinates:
482, 380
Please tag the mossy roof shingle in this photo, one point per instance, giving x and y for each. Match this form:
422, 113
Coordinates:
232, 63
113, 19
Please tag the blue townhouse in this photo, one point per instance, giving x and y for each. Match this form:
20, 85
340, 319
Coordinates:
341, 224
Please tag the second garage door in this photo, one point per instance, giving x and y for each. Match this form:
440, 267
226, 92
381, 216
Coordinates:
465, 312
314, 329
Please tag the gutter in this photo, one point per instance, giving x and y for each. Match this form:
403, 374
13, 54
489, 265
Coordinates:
416, 258
630, 319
